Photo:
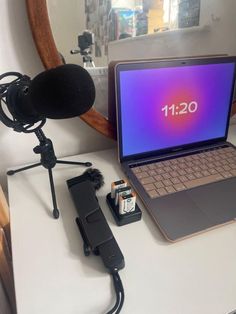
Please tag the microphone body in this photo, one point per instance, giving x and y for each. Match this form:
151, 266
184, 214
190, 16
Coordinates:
60, 93
92, 223
63, 92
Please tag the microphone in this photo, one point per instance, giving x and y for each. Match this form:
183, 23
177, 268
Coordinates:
63, 92
59, 93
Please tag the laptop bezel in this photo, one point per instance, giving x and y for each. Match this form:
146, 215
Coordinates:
149, 64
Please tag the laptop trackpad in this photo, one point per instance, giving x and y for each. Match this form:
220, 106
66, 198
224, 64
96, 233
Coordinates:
217, 200
178, 215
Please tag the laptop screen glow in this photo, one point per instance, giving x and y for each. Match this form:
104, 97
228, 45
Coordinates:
168, 107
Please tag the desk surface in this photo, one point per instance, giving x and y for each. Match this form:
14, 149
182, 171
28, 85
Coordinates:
194, 276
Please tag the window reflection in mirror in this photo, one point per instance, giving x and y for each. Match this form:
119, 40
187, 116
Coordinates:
111, 20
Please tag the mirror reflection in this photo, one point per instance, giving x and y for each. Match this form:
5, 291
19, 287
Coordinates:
83, 29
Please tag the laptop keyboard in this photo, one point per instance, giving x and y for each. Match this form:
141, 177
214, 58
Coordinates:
182, 173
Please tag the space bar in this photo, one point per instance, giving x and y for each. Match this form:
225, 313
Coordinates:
204, 180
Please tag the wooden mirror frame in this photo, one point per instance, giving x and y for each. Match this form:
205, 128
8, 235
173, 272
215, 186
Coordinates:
45, 44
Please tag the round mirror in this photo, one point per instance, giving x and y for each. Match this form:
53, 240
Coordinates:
79, 32
50, 56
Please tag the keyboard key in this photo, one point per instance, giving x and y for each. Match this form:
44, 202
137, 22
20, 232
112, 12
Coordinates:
152, 173
189, 170
182, 172
167, 182
153, 193
136, 170
166, 176
212, 171
190, 176
159, 184
170, 189
226, 167
206, 173
198, 174
147, 180
160, 170
162, 191
175, 180
142, 175
183, 178
149, 187
196, 168
180, 187
158, 178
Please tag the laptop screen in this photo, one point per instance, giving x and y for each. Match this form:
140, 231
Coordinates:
162, 105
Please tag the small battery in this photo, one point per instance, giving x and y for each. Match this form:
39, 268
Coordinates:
127, 203
121, 192
117, 185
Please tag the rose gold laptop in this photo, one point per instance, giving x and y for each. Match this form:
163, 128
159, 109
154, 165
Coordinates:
173, 120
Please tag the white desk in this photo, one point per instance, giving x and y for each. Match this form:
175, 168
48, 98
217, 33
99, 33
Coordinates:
52, 276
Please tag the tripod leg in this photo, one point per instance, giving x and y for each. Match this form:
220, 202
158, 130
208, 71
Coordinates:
66, 162
11, 172
54, 201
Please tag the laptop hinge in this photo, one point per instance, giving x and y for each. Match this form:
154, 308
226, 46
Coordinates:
177, 153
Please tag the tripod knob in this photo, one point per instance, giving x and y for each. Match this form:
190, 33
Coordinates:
38, 149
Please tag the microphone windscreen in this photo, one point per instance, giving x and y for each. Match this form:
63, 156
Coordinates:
63, 92
96, 177
92, 175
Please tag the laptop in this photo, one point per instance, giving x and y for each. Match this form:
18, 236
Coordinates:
172, 125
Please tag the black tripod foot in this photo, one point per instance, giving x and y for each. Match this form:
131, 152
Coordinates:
10, 172
56, 213
66, 162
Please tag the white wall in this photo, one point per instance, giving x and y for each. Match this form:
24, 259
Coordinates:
18, 53
216, 35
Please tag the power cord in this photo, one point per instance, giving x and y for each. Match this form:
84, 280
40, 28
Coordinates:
120, 296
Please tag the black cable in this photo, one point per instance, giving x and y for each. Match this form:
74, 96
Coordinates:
120, 296
121, 291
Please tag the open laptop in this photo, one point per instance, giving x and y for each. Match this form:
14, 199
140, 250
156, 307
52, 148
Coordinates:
172, 125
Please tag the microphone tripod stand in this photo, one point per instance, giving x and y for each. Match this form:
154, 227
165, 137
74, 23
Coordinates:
48, 160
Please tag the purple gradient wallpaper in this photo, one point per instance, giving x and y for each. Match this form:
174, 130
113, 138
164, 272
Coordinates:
167, 107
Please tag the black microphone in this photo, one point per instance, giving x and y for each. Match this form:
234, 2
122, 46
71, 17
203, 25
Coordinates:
94, 229
63, 92
59, 93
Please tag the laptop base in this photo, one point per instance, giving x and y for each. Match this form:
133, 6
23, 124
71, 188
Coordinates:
186, 213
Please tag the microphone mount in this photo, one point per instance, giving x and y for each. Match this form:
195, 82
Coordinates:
18, 126
45, 148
